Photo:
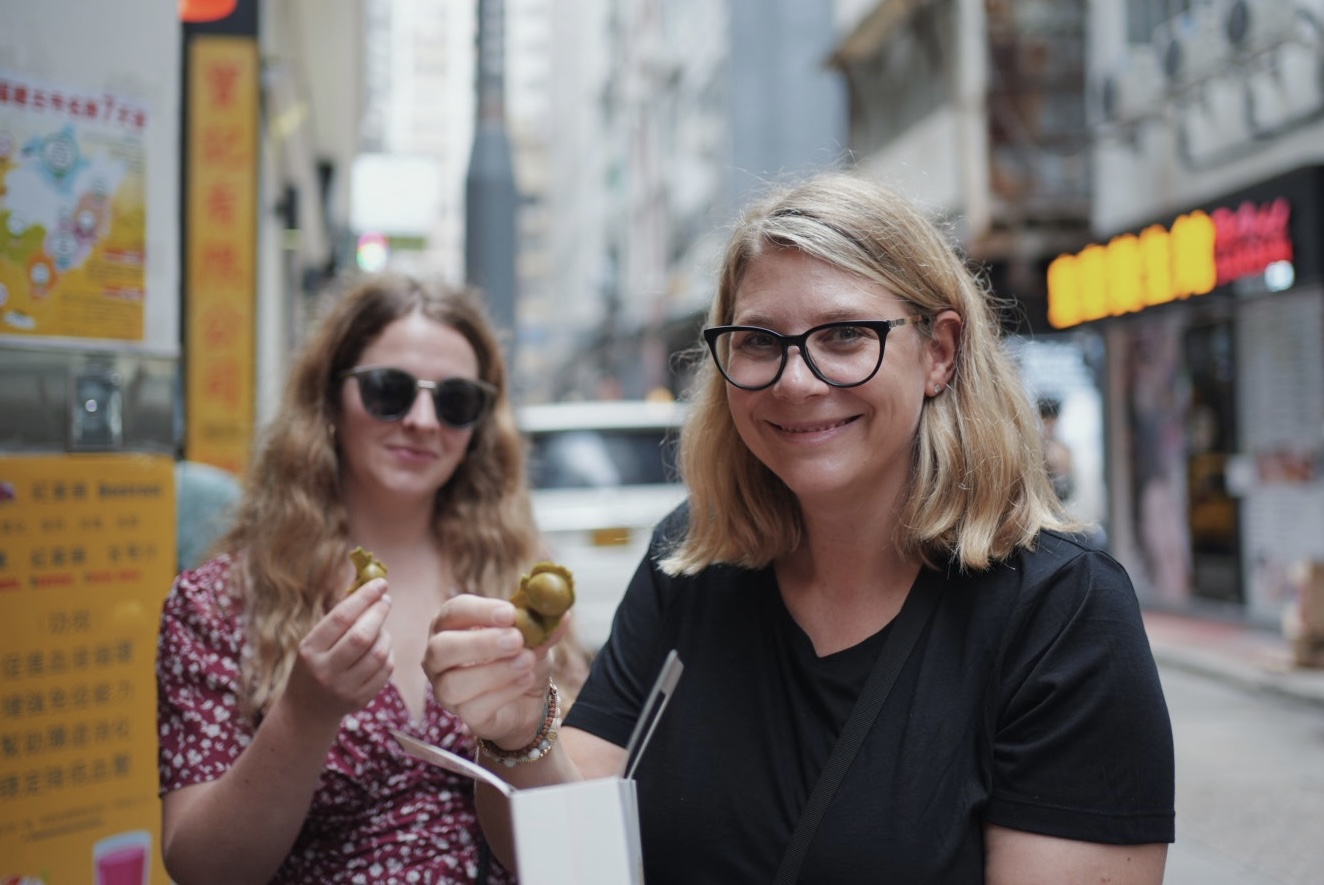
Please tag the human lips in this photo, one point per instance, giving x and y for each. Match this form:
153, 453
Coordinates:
411, 453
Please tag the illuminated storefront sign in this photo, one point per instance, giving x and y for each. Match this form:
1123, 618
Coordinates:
1199, 252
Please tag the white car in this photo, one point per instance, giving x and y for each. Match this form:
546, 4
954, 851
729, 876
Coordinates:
603, 475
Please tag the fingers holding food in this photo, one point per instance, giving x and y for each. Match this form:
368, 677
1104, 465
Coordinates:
345, 658
469, 632
483, 671
476, 673
372, 670
364, 612
466, 611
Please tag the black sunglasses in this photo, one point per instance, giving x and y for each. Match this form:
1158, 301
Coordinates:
389, 394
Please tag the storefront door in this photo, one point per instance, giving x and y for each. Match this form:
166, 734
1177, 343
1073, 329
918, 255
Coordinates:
1211, 439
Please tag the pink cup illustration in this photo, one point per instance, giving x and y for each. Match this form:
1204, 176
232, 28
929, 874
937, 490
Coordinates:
121, 859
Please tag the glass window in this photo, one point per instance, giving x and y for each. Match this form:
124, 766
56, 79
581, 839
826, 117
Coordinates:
1143, 16
578, 459
906, 80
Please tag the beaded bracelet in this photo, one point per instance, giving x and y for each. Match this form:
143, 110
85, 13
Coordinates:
542, 741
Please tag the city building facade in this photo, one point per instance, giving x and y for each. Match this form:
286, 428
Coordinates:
977, 111
1144, 179
1204, 275
667, 118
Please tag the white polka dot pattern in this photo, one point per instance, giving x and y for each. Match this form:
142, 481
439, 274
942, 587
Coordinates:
378, 816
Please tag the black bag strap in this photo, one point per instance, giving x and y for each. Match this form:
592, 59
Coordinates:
896, 648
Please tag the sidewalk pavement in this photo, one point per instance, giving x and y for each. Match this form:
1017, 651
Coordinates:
1250, 657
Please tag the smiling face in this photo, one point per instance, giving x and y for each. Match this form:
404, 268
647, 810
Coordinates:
834, 447
394, 463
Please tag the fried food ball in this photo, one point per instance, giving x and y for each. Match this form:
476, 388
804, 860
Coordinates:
530, 627
545, 594
366, 567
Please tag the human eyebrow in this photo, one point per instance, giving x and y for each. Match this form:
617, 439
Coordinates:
835, 315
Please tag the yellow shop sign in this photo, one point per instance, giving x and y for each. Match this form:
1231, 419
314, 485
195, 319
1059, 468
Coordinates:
1199, 252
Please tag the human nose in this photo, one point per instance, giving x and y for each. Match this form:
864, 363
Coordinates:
796, 373
423, 412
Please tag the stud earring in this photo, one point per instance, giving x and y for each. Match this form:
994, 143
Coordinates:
937, 389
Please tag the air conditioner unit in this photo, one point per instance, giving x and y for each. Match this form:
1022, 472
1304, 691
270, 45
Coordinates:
1193, 45
1256, 25
1134, 90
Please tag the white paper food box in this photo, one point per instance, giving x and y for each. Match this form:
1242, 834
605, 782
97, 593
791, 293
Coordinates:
582, 833
587, 832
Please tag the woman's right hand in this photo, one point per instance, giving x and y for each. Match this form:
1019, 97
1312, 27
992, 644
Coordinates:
346, 658
481, 671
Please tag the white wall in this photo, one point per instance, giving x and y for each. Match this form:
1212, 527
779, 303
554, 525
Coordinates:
847, 14
1149, 174
925, 163
321, 41
130, 48
942, 162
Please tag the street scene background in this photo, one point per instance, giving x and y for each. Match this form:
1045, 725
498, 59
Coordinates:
184, 183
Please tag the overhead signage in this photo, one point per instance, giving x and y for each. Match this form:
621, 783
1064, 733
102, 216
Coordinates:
221, 249
1198, 253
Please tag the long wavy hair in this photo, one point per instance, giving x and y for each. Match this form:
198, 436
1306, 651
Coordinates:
979, 489
290, 537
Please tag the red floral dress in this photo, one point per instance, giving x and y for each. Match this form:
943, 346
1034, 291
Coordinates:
378, 816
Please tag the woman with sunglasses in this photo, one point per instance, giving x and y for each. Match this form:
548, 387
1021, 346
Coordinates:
869, 522
278, 688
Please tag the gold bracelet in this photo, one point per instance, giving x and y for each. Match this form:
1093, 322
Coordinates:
542, 741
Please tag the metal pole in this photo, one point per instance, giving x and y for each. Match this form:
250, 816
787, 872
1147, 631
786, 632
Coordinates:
491, 201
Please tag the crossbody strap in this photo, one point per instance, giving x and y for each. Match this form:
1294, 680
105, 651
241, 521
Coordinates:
896, 648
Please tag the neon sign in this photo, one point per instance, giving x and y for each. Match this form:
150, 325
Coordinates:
1199, 252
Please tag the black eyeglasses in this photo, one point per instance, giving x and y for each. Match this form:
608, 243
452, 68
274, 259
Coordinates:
845, 354
389, 394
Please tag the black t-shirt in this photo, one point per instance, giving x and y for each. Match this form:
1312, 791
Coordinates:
1031, 700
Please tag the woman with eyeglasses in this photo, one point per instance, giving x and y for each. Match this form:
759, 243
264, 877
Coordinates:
901, 663
278, 688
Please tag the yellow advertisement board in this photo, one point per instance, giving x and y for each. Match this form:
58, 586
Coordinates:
73, 212
221, 249
87, 555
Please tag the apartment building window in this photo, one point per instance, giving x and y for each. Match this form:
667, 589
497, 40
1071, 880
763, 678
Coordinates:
1143, 16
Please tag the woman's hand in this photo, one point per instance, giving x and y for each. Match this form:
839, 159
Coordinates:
481, 671
240, 826
346, 658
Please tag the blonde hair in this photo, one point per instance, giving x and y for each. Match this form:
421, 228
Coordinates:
290, 538
979, 489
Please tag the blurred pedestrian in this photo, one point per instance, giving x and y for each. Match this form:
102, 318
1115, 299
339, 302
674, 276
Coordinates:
205, 497
1057, 454
277, 687
864, 473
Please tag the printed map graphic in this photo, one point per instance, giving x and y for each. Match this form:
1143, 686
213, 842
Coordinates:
72, 212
